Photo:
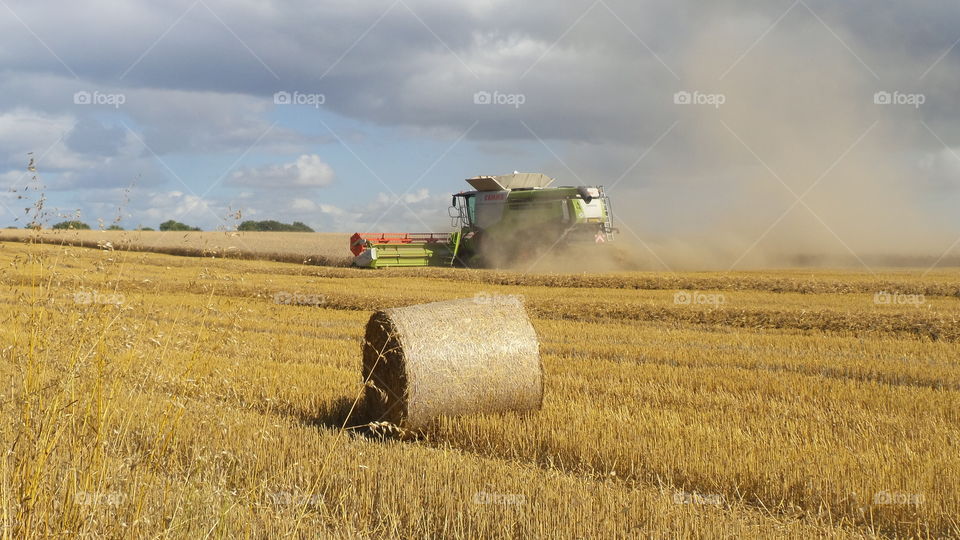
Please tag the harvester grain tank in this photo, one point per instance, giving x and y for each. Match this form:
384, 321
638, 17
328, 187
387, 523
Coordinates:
503, 219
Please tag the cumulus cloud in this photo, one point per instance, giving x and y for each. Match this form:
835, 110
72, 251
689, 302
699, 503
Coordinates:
385, 200
70, 152
24, 130
420, 210
308, 171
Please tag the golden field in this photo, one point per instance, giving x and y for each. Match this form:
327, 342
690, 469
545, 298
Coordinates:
309, 248
147, 395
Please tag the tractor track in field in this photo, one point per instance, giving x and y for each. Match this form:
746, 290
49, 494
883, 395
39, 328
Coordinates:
924, 324
945, 327
835, 373
337, 267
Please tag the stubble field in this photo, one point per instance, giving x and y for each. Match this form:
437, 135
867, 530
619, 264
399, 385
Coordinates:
148, 395
296, 247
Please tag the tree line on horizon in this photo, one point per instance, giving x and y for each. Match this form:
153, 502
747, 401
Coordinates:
269, 225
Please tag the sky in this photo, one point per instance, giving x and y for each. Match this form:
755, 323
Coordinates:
728, 130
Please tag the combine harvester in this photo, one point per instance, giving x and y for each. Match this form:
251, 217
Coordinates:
505, 219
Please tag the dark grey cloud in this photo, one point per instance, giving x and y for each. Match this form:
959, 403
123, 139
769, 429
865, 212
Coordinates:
89, 136
586, 72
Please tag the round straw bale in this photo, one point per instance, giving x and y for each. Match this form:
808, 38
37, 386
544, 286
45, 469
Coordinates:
451, 358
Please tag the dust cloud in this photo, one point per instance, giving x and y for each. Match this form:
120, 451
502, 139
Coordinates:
798, 166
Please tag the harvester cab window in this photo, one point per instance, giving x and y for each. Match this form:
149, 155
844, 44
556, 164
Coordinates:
471, 208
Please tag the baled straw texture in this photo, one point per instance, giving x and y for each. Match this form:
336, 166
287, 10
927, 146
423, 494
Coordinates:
451, 358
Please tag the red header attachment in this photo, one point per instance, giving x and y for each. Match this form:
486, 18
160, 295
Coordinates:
360, 241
